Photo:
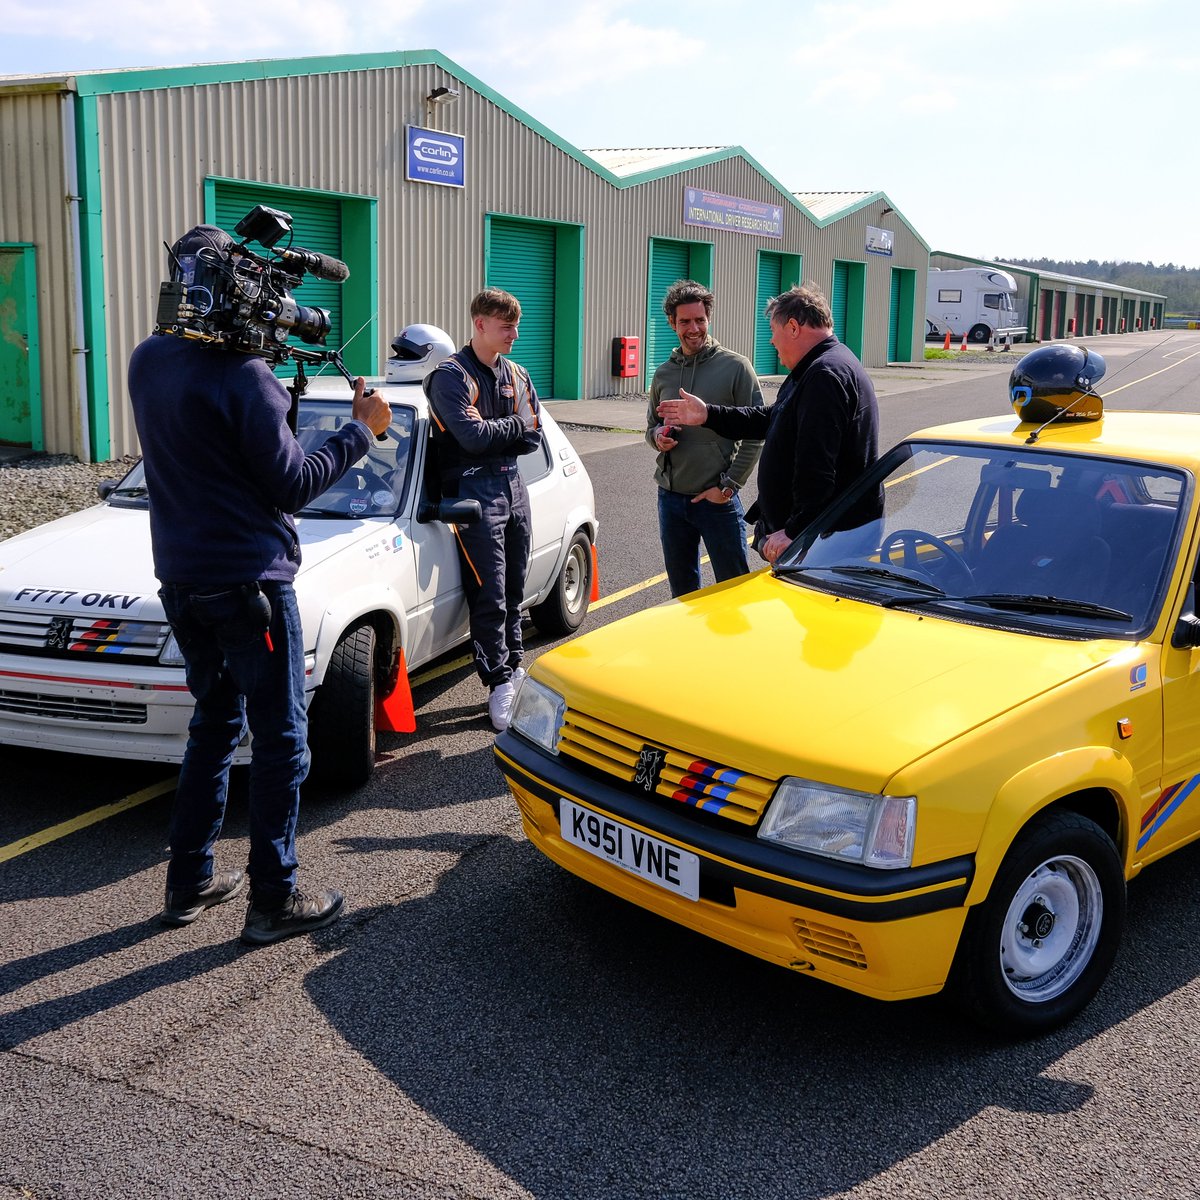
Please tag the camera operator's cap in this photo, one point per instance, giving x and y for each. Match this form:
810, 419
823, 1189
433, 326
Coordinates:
200, 237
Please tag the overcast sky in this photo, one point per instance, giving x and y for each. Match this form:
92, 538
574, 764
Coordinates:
1063, 129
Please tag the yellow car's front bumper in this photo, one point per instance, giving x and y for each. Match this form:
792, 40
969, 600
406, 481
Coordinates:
886, 934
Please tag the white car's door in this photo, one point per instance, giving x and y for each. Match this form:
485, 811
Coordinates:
546, 507
434, 600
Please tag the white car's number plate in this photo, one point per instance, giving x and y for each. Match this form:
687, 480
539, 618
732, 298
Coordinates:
661, 863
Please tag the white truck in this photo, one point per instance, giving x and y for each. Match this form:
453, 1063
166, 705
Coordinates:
978, 302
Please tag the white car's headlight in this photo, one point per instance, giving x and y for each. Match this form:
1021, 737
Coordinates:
170, 655
538, 713
859, 827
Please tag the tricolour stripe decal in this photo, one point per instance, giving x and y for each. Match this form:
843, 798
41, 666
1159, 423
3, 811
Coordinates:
706, 786
1160, 811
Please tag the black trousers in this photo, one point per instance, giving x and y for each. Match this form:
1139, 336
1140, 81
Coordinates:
495, 560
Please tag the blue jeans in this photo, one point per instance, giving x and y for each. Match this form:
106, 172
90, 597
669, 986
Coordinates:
237, 680
681, 525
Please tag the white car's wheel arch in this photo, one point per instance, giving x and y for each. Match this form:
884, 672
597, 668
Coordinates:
364, 604
579, 517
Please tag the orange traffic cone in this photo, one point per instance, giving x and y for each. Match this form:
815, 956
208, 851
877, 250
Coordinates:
394, 712
964, 343
947, 345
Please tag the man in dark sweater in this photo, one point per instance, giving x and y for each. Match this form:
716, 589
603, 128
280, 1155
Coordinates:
819, 435
223, 474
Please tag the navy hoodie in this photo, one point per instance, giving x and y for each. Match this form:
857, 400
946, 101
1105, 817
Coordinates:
223, 469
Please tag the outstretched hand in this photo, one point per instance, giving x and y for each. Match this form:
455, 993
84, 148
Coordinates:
687, 410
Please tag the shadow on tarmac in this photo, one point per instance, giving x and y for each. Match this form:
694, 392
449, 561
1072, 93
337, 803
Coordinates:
592, 1050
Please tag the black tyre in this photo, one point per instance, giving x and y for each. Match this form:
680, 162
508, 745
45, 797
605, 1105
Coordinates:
341, 733
979, 333
562, 611
1039, 947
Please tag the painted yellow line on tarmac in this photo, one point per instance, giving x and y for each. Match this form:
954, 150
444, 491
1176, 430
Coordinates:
466, 660
633, 591
43, 838
941, 462
1170, 367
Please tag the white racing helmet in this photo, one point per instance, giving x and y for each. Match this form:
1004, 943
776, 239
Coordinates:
416, 350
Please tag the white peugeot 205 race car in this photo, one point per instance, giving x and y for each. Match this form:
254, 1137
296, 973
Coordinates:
88, 663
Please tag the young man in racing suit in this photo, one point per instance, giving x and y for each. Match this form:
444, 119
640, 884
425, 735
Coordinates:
485, 414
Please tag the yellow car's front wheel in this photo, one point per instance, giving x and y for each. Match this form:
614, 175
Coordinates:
1037, 950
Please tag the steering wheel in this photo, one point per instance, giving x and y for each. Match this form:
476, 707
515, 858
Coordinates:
369, 480
959, 576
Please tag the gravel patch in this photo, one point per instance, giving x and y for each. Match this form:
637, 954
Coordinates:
45, 486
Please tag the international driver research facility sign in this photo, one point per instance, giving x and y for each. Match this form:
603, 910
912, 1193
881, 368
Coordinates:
434, 157
714, 211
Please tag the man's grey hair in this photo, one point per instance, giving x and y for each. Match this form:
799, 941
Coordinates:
806, 305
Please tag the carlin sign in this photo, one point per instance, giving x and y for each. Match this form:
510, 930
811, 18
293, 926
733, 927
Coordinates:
435, 157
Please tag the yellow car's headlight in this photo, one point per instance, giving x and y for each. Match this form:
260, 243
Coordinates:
858, 827
537, 714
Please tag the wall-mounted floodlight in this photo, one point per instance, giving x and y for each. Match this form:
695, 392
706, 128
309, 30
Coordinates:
439, 96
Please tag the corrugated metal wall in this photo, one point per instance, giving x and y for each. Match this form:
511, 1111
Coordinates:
344, 132
34, 208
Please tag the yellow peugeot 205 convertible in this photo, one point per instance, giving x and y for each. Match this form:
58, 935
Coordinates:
943, 740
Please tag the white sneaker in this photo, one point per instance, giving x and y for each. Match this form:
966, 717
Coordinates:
500, 704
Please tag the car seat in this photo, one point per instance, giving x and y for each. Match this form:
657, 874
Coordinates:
1053, 548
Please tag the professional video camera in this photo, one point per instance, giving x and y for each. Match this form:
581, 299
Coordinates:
222, 292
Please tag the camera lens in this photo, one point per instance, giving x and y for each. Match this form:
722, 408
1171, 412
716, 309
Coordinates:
312, 324
308, 324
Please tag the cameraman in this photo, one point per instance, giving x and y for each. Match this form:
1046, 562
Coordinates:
223, 473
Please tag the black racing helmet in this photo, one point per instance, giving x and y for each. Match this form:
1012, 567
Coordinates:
1055, 383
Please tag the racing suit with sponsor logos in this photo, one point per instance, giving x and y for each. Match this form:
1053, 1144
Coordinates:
484, 417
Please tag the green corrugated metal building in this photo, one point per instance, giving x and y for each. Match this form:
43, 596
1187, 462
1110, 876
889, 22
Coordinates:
429, 185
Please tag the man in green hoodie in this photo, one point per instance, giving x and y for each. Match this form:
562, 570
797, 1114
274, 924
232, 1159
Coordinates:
699, 472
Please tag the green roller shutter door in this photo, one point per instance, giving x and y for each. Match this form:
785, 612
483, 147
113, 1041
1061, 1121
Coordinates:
770, 285
18, 346
669, 263
316, 225
521, 260
894, 318
841, 289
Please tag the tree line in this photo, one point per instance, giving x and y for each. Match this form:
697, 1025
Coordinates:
1180, 285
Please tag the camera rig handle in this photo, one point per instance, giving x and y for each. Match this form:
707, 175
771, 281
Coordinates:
300, 383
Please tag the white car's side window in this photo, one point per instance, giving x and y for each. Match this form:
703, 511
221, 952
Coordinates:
535, 466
